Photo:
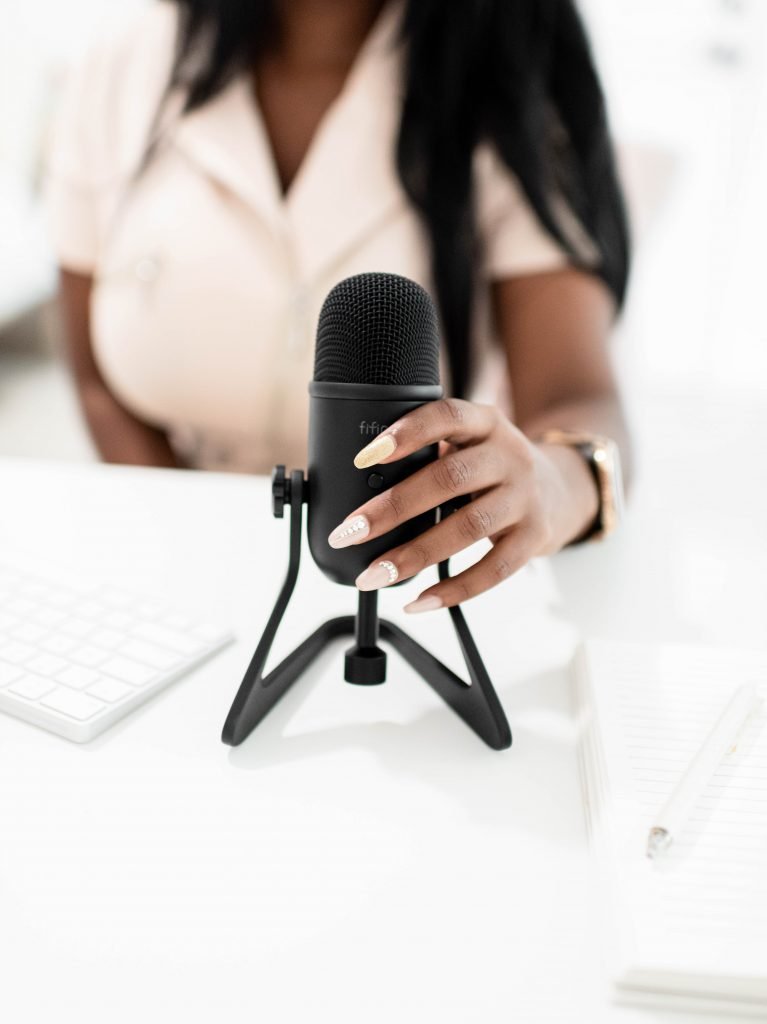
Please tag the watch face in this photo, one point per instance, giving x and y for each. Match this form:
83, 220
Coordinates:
603, 456
607, 459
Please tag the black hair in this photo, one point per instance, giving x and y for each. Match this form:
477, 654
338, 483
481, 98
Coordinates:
517, 74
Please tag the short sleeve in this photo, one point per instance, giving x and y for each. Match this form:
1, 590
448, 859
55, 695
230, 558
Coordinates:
75, 169
514, 241
71, 225
100, 125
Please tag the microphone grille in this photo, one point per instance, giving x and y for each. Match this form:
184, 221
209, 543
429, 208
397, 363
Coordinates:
377, 329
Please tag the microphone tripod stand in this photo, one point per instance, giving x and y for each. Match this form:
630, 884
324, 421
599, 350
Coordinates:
476, 702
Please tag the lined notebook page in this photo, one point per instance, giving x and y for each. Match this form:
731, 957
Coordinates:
695, 919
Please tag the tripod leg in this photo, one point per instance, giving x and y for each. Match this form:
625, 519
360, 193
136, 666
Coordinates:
476, 703
258, 694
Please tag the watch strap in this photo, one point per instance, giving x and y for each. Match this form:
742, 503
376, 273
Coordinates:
602, 457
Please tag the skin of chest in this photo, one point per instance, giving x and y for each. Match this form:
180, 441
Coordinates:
293, 103
298, 79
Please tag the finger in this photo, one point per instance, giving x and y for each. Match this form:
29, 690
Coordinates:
450, 419
508, 556
483, 518
460, 472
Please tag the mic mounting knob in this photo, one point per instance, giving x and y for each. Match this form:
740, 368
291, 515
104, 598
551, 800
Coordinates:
280, 491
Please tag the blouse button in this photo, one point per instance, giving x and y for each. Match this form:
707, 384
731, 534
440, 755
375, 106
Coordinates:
147, 269
299, 319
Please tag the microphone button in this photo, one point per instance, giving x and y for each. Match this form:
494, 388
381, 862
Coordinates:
376, 481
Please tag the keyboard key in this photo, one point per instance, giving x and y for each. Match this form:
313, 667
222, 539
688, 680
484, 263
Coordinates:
114, 598
29, 632
62, 599
58, 643
20, 606
209, 634
45, 664
119, 620
9, 672
77, 677
31, 687
176, 622
17, 652
128, 671
150, 611
89, 656
48, 616
88, 610
150, 654
76, 705
106, 638
76, 627
110, 690
165, 637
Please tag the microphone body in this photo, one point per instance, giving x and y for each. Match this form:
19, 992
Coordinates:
342, 419
376, 359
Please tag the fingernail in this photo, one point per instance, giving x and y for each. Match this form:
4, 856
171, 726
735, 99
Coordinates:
382, 574
424, 604
351, 531
378, 449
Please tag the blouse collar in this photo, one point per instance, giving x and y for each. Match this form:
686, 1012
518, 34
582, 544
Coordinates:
347, 182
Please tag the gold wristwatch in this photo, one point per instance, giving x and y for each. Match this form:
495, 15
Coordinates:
603, 458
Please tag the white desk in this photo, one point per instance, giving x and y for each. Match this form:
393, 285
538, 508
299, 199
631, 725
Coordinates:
362, 856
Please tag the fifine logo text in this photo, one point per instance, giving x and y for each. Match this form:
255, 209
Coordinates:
373, 428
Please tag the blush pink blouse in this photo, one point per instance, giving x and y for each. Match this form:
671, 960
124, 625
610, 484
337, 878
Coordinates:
207, 280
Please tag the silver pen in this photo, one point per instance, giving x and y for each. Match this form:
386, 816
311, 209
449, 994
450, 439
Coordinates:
674, 813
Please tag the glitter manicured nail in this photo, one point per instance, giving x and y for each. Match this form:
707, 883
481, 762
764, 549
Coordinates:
379, 449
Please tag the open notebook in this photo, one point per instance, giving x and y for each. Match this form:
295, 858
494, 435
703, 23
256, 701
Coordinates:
690, 927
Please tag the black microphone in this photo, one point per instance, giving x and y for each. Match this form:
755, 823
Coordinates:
376, 358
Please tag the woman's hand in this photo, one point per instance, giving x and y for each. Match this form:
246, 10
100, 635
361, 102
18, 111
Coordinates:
527, 499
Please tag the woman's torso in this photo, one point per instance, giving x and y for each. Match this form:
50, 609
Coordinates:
208, 281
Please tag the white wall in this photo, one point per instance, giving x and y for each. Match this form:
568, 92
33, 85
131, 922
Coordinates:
39, 39
688, 77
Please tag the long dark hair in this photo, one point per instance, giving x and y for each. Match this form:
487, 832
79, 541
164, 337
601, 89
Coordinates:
517, 74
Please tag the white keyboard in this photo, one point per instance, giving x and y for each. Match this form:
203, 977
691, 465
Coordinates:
76, 658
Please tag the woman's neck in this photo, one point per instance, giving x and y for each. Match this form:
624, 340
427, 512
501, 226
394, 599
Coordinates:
323, 34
